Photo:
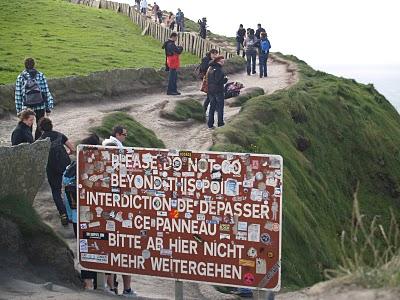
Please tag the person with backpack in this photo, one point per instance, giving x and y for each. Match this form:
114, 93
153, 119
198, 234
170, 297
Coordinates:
23, 132
32, 91
264, 46
202, 28
180, 20
250, 45
240, 34
57, 163
216, 82
172, 57
203, 68
258, 31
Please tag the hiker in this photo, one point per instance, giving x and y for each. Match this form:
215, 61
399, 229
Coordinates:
203, 68
32, 91
180, 20
70, 200
155, 10
240, 34
171, 21
216, 81
143, 7
118, 136
160, 16
57, 163
263, 53
258, 31
203, 28
250, 44
23, 132
172, 53
137, 2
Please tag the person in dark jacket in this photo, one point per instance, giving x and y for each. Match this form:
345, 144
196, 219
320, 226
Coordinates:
258, 31
172, 53
250, 45
216, 82
240, 34
23, 132
57, 163
263, 53
205, 63
203, 28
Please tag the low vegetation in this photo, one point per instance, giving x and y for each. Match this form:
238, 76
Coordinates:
246, 95
68, 39
138, 136
185, 110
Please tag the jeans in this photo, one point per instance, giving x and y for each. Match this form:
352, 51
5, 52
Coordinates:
55, 181
39, 115
263, 57
206, 103
239, 45
251, 57
172, 79
144, 11
181, 27
216, 104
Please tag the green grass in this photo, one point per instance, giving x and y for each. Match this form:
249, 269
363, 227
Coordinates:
138, 136
68, 39
353, 134
185, 110
247, 95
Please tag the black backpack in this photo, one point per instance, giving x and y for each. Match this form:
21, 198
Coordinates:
58, 156
70, 185
33, 94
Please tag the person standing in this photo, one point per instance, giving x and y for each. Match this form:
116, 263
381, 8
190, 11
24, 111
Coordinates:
216, 82
117, 138
250, 45
240, 34
137, 2
172, 53
57, 163
203, 28
143, 7
155, 10
32, 91
203, 68
171, 21
263, 50
23, 132
258, 31
180, 20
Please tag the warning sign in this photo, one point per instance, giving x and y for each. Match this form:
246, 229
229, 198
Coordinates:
199, 216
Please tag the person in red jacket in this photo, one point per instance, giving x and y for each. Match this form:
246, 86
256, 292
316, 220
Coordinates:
172, 53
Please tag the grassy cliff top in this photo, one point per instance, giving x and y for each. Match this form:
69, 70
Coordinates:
68, 39
332, 133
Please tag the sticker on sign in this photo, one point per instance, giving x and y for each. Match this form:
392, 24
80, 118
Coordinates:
209, 217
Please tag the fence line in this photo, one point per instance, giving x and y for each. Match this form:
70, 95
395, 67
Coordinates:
190, 42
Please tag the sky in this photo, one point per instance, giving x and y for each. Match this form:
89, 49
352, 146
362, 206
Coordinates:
321, 32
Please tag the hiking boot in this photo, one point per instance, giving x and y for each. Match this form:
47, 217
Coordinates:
129, 293
64, 219
173, 93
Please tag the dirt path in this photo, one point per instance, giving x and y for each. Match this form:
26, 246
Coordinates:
75, 120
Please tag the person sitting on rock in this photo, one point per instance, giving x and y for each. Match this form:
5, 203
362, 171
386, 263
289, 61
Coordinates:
23, 132
57, 163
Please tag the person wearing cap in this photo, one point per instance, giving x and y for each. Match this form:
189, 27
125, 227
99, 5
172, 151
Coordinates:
216, 82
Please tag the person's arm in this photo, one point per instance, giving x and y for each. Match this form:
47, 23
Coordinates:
18, 94
49, 97
70, 146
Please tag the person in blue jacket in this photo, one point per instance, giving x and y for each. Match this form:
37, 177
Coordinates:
263, 53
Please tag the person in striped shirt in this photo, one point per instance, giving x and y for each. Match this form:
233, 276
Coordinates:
41, 109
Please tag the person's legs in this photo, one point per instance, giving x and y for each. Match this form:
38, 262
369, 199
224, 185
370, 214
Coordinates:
261, 59
244, 54
172, 79
128, 292
39, 115
253, 61
265, 65
206, 103
55, 181
248, 60
211, 113
238, 47
220, 109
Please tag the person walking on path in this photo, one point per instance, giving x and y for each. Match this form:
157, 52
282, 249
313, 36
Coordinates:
155, 10
203, 68
240, 34
143, 7
117, 138
216, 82
203, 28
180, 20
258, 31
171, 21
250, 44
263, 50
32, 91
23, 132
172, 53
57, 163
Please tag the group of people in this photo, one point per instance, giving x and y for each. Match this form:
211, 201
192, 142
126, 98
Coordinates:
253, 42
33, 100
